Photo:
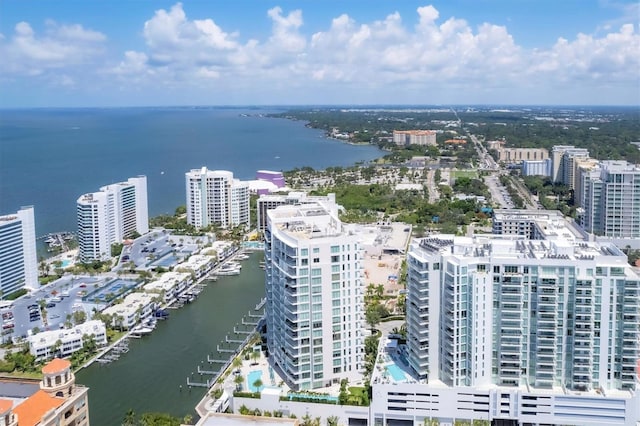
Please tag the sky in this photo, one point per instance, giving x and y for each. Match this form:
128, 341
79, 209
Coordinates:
79, 53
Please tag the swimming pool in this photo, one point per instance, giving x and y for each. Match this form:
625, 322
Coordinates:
65, 263
397, 374
251, 378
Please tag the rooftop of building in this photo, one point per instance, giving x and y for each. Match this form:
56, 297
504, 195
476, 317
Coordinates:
551, 223
222, 419
5, 405
56, 365
30, 412
17, 390
306, 221
516, 247
167, 281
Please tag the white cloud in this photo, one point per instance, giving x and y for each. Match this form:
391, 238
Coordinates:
61, 46
612, 58
386, 59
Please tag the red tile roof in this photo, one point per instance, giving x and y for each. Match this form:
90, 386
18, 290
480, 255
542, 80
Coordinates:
5, 405
56, 366
30, 412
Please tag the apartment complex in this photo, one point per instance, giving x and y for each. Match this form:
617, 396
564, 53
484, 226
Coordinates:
610, 199
18, 257
64, 342
414, 137
271, 201
314, 291
58, 402
110, 215
215, 197
518, 330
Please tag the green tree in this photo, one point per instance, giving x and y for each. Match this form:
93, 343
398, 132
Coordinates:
372, 316
239, 381
79, 317
258, 384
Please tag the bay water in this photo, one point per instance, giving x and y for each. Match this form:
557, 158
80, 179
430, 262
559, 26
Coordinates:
50, 157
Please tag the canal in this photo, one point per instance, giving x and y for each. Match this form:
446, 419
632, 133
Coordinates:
151, 377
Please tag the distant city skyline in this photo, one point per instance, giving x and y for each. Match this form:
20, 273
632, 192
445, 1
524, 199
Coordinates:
140, 53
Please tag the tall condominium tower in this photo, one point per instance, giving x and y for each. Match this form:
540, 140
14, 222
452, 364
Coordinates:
610, 200
314, 287
268, 202
215, 197
565, 161
18, 258
514, 312
116, 212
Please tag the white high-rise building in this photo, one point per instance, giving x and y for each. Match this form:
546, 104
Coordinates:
18, 257
116, 212
521, 331
610, 200
565, 162
215, 197
268, 202
314, 288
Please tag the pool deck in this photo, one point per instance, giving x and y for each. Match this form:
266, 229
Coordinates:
391, 355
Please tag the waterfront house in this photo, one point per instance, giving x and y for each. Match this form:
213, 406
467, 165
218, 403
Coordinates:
64, 342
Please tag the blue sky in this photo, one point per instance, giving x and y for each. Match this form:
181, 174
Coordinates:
144, 52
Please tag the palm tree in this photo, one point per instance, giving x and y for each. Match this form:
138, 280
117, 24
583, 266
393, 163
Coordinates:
238, 381
332, 421
257, 384
255, 356
130, 418
236, 363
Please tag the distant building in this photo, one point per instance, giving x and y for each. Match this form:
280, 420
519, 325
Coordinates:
64, 342
215, 197
535, 225
18, 257
565, 160
536, 167
59, 401
517, 155
271, 201
314, 285
414, 137
610, 200
111, 215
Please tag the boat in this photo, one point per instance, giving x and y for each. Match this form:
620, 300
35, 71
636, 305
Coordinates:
140, 331
229, 268
242, 256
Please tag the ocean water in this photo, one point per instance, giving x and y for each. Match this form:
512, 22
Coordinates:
49, 157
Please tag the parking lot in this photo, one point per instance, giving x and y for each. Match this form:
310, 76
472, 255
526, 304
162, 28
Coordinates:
158, 248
